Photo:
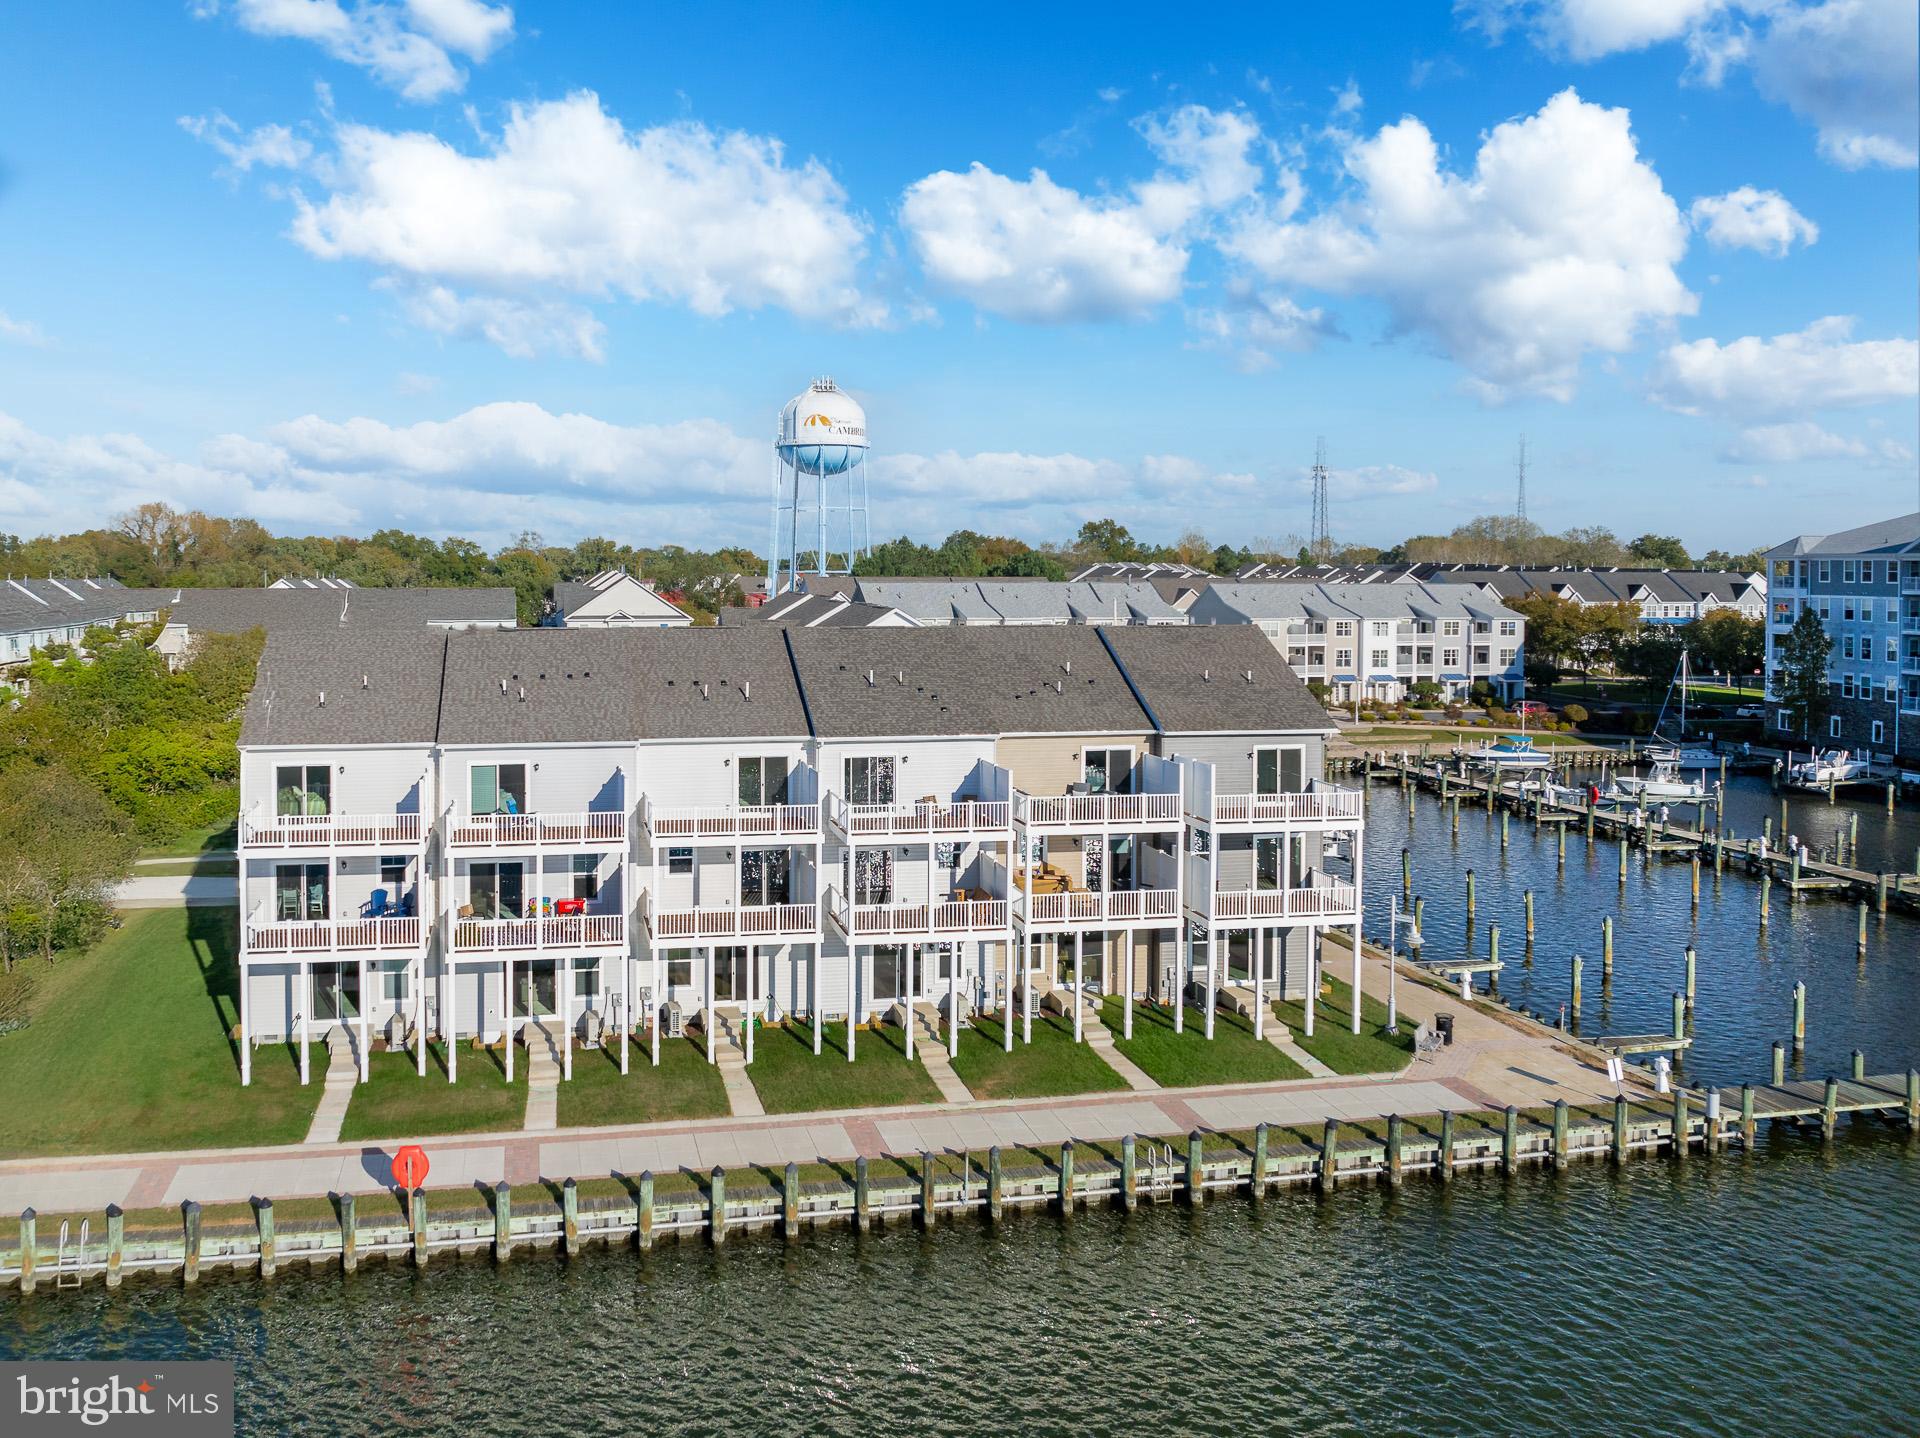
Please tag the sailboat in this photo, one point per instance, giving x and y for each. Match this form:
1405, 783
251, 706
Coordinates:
1675, 752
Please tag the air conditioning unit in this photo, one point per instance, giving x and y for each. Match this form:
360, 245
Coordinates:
675, 1021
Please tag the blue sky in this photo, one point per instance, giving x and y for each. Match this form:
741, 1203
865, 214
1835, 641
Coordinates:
470, 269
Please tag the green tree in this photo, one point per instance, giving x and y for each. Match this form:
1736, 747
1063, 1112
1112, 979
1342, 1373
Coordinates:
1801, 666
1557, 630
1728, 642
1106, 539
1659, 551
62, 849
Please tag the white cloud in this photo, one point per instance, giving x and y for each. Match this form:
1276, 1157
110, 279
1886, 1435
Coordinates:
1252, 325
1851, 67
1560, 241
273, 146
1751, 219
1820, 367
1796, 440
403, 46
1038, 251
21, 332
568, 204
1370, 481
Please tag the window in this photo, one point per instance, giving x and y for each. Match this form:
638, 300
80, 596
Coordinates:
1480, 656
1893, 649
1833, 721
1826, 572
1509, 626
496, 890
1266, 864
1846, 572
302, 789
1507, 656
1279, 771
1846, 686
1826, 608
300, 892
1379, 659
1866, 571
393, 985
1781, 721
870, 779
873, 878
763, 780
1893, 612
1108, 771
764, 876
1450, 658
679, 861
497, 789
679, 968
1879, 731
586, 876
1343, 659
393, 871
1450, 626
1846, 607
1343, 629
1846, 647
586, 978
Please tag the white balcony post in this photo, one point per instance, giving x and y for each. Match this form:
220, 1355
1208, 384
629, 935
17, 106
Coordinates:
1356, 978
1358, 851
813, 991
659, 1004
1126, 1019
506, 1008
1257, 941
1026, 989
1314, 936
366, 1021
1213, 958
246, 1014
953, 999
450, 981
302, 998
907, 988
626, 1007
566, 1016
753, 984
853, 993
709, 1004
1079, 946
1007, 1006
1183, 956
417, 976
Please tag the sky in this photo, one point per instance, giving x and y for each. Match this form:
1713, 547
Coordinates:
461, 268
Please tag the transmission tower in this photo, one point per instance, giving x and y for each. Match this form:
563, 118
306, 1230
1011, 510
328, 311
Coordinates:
1520, 466
1321, 540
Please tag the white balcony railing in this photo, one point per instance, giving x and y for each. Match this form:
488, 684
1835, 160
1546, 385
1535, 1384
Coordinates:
1068, 811
560, 931
694, 822
1321, 901
467, 831
929, 817
955, 916
1099, 909
1320, 803
749, 921
303, 831
313, 936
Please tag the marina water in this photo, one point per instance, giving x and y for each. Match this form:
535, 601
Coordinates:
1732, 1294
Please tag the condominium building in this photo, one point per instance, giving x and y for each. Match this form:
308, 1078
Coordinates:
36, 614
1376, 641
602, 835
1865, 585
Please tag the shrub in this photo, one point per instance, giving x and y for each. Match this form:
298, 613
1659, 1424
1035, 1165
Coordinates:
1574, 714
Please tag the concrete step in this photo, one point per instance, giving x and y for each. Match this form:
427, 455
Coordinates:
543, 1038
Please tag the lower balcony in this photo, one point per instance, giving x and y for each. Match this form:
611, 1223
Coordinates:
1331, 902
1109, 909
984, 917
561, 931
779, 923
322, 936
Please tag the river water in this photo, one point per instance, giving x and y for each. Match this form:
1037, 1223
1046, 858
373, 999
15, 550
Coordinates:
1738, 1294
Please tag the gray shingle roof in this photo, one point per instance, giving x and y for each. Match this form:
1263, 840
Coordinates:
1194, 681
378, 688
1895, 536
533, 686
706, 683
234, 611
1051, 679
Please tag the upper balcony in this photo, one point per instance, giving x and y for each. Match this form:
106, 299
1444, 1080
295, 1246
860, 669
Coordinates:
684, 824
953, 918
1319, 805
1071, 813
402, 935
959, 820
1096, 909
1320, 898
777, 923
599, 829
557, 931
261, 830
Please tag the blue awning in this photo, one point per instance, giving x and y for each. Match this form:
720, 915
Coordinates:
1381, 678
1455, 678
1343, 678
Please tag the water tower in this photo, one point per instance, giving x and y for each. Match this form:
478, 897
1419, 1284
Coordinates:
819, 487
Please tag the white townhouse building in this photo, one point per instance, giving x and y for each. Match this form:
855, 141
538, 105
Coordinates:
326, 609
1663, 596
1864, 583
558, 836
611, 599
1376, 641
38, 613
986, 602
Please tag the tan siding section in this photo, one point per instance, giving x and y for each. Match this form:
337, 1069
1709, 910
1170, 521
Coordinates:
1048, 764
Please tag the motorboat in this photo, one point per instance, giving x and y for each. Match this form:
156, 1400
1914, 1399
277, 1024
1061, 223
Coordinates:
1510, 752
1540, 786
1682, 756
1826, 767
1663, 783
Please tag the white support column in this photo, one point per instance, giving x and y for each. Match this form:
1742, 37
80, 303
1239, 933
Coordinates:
753, 984
709, 1004
818, 1006
506, 1008
1313, 979
1126, 1020
659, 1004
953, 999
302, 999
565, 984
1356, 978
1078, 950
1183, 956
907, 985
246, 1017
366, 1022
450, 1020
853, 995
1026, 990
1106, 961
626, 1007
1257, 942
417, 974
1007, 1007
1213, 958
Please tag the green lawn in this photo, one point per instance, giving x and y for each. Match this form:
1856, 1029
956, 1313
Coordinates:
395, 1102
195, 841
685, 1085
1053, 1063
1336, 1045
128, 1049
1189, 1059
789, 1079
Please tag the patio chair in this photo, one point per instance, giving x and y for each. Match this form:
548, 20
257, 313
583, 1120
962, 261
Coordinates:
376, 905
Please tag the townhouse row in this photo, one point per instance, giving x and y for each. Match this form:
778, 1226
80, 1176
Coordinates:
614, 835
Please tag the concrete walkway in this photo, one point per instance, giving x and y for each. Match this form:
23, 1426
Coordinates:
162, 891
932, 1054
543, 1080
1496, 1059
336, 1092
1281, 1038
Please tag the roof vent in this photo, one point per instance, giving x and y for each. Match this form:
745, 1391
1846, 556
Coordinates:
704, 691
1206, 676
900, 676
503, 686
746, 689
323, 698
1249, 676
1059, 686
363, 681
869, 679
523, 693
1068, 666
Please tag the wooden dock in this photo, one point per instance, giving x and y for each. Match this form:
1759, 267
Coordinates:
1624, 1044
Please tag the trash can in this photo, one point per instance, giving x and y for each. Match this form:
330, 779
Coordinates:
1443, 1024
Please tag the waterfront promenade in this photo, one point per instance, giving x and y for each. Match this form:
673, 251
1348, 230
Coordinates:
1495, 1060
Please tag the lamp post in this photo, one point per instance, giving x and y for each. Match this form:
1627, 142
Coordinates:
1394, 920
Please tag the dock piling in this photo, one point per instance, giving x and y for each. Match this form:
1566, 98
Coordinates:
1196, 1170
1830, 1108
1446, 1144
1510, 1140
502, 1221
263, 1222
1859, 1066
1470, 900
116, 1243
570, 1218
1913, 1099
190, 1238
349, 1235
1329, 1155
1406, 873
1560, 1133
29, 1248
1393, 1149
1066, 1175
1779, 1063
1619, 1128
994, 1186
790, 1202
929, 1207
1696, 880
1766, 895
861, 1210
1691, 972
1130, 1173
1528, 898
643, 1227
1860, 932
717, 1205
1800, 1017
1576, 965
419, 1228
1258, 1178
1606, 950
1682, 1123
1746, 1115
1679, 1015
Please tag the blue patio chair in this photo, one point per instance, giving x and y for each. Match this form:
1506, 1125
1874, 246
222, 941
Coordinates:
376, 906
